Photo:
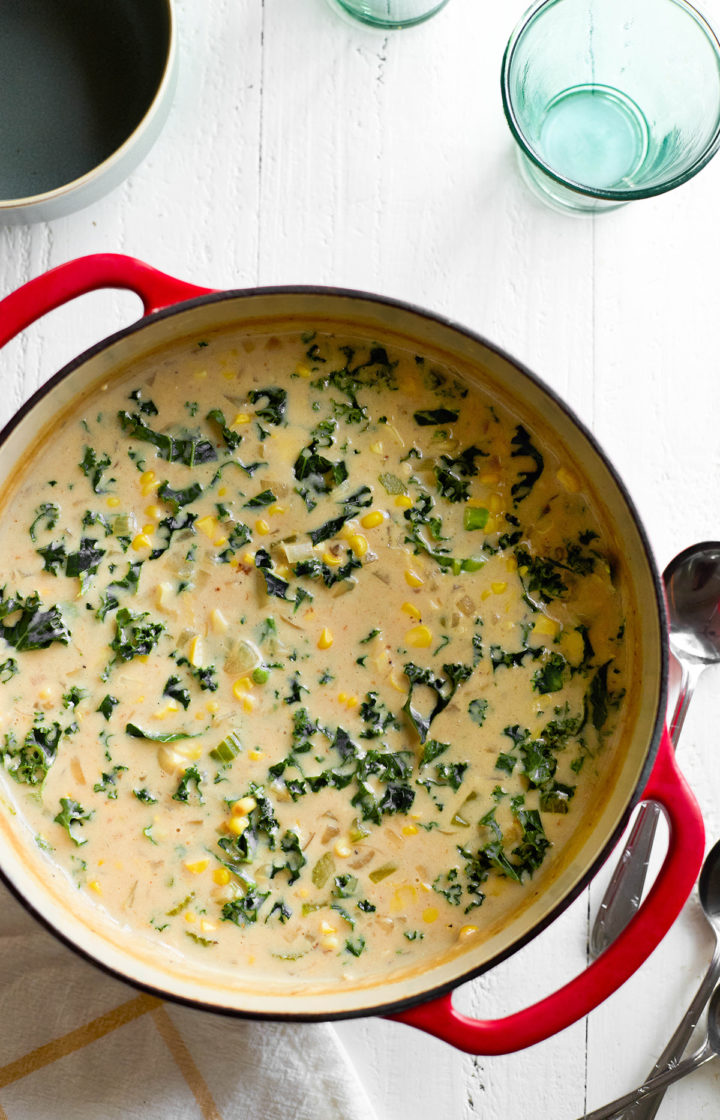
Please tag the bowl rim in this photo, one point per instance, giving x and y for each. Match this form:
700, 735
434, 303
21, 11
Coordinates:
116, 157
655, 726
605, 193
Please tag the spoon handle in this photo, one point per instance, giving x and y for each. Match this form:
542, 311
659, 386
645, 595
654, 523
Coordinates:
616, 1109
624, 892
673, 1052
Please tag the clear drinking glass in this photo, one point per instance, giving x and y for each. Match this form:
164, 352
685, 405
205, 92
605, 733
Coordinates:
611, 100
392, 14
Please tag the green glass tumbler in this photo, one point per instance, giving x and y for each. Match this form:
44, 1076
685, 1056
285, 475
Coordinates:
611, 100
390, 14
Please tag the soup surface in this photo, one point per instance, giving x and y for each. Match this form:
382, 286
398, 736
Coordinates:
311, 658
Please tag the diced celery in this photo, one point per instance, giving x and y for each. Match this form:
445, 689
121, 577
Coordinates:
381, 873
475, 517
227, 749
323, 869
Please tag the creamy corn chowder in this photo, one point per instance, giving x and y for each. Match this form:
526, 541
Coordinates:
311, 658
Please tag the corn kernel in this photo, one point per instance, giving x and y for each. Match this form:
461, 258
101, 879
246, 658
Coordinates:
329, 941
511, 564
221, 876
397, 682
467, 932
200, 374
358, 544
148, 483
495, 503
568, 480
372, 519
410, 830
325, 927
195, 652
412, 610
240, 419
342, 697
206, 926
489, 478
197, 866
498, 587
166, 710
248, 558
262, 527
148, 529
112, 502
154, 511
546, 627
164, 592
220, 542
485, 594
207, 525
190, 917
255, 754
325, 640
190, 754
377, 447
95, 886
222, 491
342, 849
244, 806
212, 706
331, 559
237, 825
275, 509
302, 370
419, 636
573, 647
218, 621
430, 915
248, 703
413, 579
403, 501
352, 701
402, 898
140, 542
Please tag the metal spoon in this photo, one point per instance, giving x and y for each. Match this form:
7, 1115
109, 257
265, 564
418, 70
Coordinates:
692, 586
709, 894
709, 1050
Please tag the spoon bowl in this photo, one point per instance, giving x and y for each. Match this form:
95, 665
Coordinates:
709, 887
692, 584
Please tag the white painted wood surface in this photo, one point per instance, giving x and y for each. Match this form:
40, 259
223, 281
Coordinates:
302, 148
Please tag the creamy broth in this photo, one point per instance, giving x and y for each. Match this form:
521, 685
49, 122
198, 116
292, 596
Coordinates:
312, 657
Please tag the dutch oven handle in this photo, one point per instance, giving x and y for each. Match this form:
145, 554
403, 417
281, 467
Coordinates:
619, 961
87, 274
666, 785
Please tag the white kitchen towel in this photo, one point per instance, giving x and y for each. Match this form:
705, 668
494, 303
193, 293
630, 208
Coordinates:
79, 1045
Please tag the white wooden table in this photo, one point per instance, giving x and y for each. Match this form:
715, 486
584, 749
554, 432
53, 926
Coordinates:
302, 148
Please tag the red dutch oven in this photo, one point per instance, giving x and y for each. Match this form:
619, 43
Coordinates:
646, 768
